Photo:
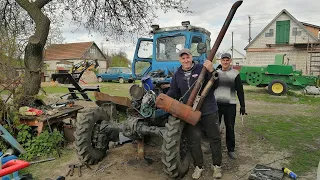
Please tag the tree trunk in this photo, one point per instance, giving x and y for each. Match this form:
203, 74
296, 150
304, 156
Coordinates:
34, 49
33, 64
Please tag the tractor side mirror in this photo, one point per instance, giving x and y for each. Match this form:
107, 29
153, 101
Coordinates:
201, 48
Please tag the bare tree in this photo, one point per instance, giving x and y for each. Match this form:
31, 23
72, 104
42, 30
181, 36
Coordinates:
109, 17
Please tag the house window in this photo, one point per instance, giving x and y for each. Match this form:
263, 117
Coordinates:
269, 34
295, 32
92, 51
282, 32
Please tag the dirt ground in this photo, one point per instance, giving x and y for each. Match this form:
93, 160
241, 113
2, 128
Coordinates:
121, 162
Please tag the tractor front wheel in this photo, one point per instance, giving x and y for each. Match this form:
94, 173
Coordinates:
175, 148
91, 144
277, 87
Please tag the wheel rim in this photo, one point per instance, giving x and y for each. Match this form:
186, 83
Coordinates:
99, 79
121, 80
254, 78
277, 88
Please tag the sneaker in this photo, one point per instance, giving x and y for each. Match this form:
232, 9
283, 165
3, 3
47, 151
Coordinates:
197, 172
232, 155
217, 172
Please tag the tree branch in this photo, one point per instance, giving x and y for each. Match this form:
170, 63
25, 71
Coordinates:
41, 20
41, 3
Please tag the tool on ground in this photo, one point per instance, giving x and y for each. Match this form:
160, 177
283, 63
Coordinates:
262, 169
193, 116
41, 161
289, 172
260, 172
72, 167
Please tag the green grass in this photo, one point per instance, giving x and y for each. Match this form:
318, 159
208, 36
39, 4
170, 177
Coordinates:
298, 135
291, 97
112, 88
55, 89
36, 169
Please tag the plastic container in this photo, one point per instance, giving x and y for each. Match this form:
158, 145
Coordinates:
15, 175
147, 83
290, 173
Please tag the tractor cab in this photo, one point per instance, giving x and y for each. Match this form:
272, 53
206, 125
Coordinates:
158, 56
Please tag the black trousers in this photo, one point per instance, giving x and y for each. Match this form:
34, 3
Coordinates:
229, 113
210, 124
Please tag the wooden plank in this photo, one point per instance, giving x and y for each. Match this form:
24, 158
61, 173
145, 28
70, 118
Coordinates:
63, 111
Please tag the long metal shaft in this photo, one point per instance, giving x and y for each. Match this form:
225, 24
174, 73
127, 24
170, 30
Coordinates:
213, 52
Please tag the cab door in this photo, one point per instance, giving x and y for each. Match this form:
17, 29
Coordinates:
142, 60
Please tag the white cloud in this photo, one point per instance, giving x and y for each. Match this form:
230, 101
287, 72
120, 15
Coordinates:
211, 15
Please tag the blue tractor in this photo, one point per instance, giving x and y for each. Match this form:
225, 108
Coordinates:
160, 53
158, 60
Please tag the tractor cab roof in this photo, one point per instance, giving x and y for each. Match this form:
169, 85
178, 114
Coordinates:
184, 27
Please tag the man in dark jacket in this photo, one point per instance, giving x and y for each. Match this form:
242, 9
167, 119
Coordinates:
229, 84
180, 88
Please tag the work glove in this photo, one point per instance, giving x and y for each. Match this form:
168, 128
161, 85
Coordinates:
243, 111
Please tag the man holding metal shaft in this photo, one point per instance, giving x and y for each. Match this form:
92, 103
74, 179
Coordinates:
181, 86
229, 84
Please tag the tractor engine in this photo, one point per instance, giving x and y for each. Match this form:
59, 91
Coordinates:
143, 100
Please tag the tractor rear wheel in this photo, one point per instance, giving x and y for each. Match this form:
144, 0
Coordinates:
91, 144
175, 148
277, 87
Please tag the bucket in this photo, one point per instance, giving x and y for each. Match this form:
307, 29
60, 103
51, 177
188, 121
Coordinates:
147, 83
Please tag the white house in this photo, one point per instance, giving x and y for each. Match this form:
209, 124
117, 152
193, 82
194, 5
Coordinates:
299, 42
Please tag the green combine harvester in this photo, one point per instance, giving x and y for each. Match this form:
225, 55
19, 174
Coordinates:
278, 77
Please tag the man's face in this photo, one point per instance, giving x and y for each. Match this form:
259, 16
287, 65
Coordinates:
186, 61
225, 63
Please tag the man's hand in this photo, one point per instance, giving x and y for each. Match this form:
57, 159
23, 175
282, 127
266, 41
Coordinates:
209, 66
243, 111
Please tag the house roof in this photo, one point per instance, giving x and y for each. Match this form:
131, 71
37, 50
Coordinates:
311, 25
294, 19
70, 51
235, 50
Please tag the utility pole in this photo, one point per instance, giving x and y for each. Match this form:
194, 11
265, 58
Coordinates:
249, 28
232, 45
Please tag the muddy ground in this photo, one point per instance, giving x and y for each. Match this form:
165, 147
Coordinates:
122, 164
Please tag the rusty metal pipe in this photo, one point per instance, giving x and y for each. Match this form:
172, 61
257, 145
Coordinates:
213, 51
178, 109
197, 105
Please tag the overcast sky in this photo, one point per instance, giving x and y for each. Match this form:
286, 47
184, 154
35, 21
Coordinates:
210, 14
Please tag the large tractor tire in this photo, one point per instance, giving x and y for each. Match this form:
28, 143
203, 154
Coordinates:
176, 154
90, 143
277, 87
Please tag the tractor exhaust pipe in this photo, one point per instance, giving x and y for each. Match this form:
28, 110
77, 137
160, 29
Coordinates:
185, 112
213, 51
